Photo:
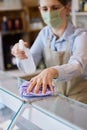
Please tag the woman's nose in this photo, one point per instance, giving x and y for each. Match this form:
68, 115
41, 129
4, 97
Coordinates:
49, 9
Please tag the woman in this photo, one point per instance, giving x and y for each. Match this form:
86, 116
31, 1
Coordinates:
64, 49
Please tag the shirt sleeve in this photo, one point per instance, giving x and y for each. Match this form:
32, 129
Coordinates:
78, 61
37, 48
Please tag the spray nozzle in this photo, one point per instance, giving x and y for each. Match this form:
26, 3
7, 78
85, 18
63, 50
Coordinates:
21, 44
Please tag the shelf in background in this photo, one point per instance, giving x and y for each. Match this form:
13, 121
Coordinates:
7, 10
10, 5
36, 29
30, 3
78, 13
12, 32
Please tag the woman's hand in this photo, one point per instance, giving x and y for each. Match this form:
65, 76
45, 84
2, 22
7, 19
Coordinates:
17, 52
43, 79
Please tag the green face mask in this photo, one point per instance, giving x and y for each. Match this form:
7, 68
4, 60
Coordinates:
52, 19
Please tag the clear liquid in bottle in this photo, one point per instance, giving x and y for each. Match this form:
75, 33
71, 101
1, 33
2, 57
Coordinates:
27, 64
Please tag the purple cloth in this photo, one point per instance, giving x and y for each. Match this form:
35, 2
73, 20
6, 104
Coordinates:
24, 87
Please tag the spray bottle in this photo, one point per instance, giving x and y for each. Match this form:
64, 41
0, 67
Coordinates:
27, 64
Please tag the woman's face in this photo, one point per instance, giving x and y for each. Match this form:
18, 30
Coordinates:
52, 5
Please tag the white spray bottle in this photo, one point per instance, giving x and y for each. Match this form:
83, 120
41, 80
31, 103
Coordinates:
27, 64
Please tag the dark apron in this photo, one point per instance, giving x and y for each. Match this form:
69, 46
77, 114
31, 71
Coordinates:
75, 88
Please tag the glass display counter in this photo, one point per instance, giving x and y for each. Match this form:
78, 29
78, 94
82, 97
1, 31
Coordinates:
53, 112
67, 111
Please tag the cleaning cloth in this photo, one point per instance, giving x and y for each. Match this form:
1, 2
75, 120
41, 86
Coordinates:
25, 85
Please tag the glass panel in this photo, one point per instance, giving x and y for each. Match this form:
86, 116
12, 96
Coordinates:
6, 115
68, 111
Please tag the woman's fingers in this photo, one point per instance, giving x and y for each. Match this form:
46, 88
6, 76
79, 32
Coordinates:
51, 86
35, 84
31, 86
26, 44
21, 55
44, 80
38, 86
17, 52
44, 88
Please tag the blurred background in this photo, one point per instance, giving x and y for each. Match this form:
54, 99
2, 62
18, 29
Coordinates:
22, 19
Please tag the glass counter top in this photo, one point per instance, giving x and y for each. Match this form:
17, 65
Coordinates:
6, 115
70, 112
11, 84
